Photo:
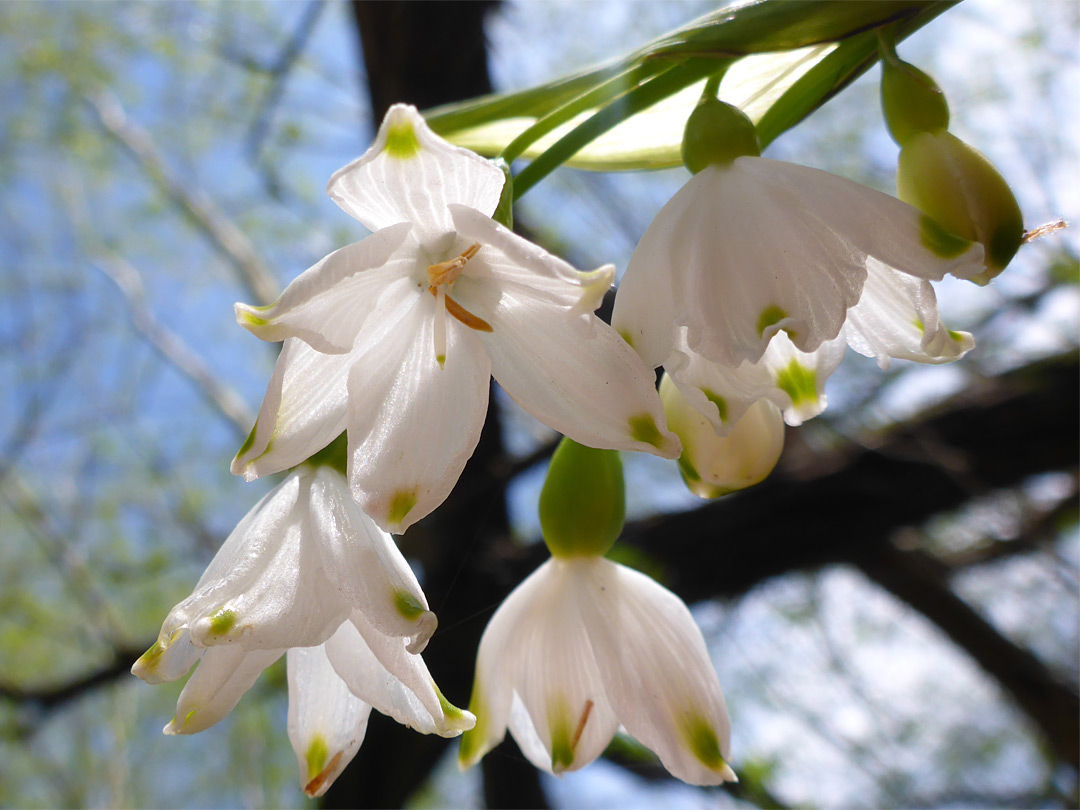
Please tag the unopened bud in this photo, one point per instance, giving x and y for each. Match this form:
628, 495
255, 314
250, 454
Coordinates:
961, 190
911, 100
713, 465
583, 501
717, 133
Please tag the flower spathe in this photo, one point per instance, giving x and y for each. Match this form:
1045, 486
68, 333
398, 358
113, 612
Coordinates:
395, 338
583, 646
755, 247
306, 572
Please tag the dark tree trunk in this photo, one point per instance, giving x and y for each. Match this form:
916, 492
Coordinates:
430, 53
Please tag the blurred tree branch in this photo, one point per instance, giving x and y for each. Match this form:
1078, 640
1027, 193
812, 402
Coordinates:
171, 347
223, 233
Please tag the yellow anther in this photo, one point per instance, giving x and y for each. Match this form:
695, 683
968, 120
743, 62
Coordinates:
447, 272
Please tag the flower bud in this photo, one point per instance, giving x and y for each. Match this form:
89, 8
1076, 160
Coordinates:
583, 501
911, 100
963, 193
717, 133
713, 465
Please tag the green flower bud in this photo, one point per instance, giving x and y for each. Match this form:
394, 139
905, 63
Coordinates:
911, 100
583, 502
717, 133
713, 465
959, 188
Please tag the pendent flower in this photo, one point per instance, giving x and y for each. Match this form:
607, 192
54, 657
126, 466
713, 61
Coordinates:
751, 247
305, 570
585, 645
395, 338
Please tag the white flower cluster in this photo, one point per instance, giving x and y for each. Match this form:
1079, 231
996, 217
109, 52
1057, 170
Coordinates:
746, 288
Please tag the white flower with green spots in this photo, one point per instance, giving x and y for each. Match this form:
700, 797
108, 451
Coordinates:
757, 273
395, 338
583, 646
308, 572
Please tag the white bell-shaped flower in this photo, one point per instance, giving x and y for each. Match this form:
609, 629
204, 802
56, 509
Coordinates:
754, 247
713, 465
583, 646
303, 568
395, 338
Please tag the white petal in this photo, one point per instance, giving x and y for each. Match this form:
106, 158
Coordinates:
326, 304
508, 262
265, 588
714, 465
535, 671
170, 657
412, 423
875, 224
798, 378
645, 311
327, 722
302, 412
897, 316
556, 677
410, 174
575, 374
793, 380
756, 261
220, 680
364, 564
638, 629
380, 671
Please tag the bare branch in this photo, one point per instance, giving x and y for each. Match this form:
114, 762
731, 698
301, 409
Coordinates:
207, 216
170, 345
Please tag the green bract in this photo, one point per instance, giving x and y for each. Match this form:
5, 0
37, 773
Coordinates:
717, 133
911, 100
583, 502
959, 188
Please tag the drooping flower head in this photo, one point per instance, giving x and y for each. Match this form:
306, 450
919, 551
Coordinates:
752, 251
395, 338
306, 571
585, 645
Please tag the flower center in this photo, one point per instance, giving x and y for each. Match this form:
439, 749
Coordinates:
440, 276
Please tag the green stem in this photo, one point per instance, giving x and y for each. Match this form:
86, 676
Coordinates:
641, 97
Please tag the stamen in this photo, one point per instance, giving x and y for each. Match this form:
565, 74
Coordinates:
466, 317
447, 272
581, 724
440, 325
440, 275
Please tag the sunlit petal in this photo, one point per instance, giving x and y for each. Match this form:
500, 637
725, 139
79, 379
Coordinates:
410, 175
327, 722
302, 412
637, 630
364, 564
327, 304
413, 423
222, 677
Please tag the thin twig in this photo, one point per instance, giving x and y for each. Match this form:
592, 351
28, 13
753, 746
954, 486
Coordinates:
203, 212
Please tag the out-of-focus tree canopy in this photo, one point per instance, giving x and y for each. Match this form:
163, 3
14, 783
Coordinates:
893, 615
